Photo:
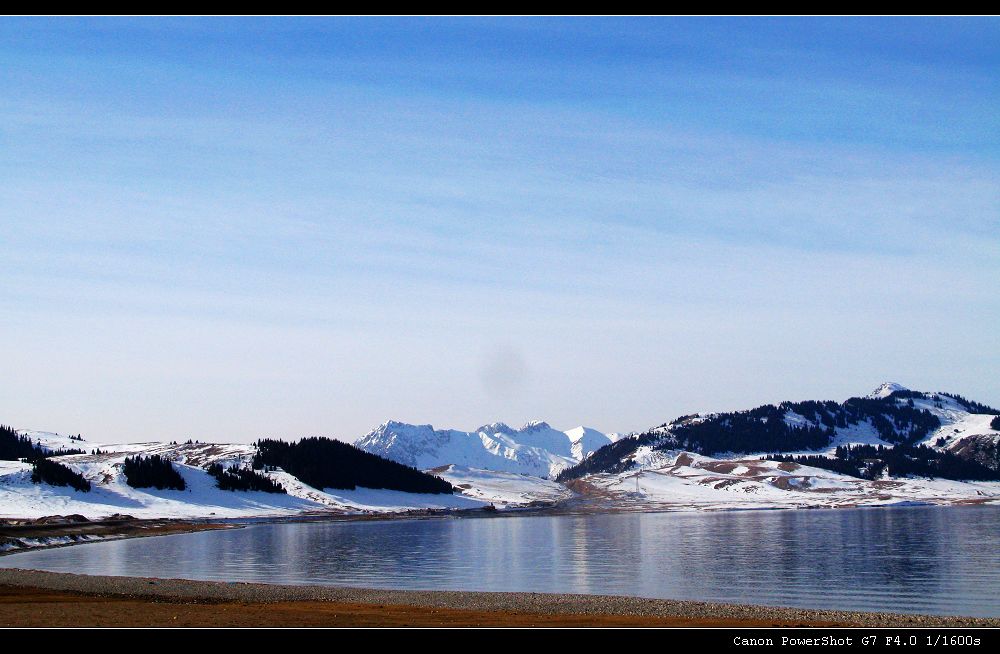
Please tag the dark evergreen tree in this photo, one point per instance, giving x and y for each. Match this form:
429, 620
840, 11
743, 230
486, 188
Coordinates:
243, 479
327, 463
151, 472
970, 406
761, 429
870, 461
15, 446
56, 474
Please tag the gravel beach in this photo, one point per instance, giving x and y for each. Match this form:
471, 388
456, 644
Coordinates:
453, 607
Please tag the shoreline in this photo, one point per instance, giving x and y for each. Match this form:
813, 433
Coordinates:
37, 598
31, 536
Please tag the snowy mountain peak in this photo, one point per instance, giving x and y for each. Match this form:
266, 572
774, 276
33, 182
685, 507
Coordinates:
395, 424
584, 441
885, 390
496, 428
535, 425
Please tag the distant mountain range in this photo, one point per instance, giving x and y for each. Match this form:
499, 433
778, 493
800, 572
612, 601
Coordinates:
534, 449
891, 415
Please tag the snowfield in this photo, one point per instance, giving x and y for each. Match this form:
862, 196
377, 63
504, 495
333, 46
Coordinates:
503, 489
678, 480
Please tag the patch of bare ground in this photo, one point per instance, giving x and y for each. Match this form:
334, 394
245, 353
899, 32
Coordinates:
200, 455
721, 467
684, 460
788, 466
784, 483
589, 499
587, 489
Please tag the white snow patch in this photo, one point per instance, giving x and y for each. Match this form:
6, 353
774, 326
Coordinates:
503, 489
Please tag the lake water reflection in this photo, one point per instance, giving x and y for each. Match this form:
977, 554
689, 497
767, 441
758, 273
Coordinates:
916, 559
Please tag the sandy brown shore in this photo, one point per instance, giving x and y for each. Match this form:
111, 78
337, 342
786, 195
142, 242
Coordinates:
33, 598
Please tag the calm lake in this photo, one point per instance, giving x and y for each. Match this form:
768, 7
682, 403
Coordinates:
942, 560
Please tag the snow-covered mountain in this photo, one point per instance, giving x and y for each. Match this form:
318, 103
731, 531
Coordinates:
891, 415
667, 468
534, 449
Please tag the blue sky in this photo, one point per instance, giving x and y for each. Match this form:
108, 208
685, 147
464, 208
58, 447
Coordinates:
232, 228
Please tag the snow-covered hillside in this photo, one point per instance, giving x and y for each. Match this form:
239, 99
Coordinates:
650, 472
20, 498
683, 481
958, 419
890, 416
535, 449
